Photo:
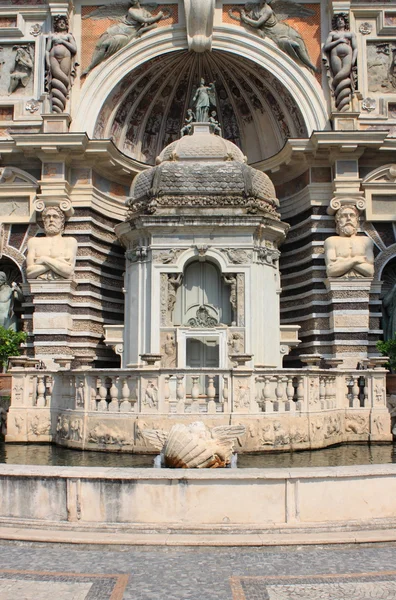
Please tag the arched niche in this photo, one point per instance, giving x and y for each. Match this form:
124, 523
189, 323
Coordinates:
202, 286
139, 96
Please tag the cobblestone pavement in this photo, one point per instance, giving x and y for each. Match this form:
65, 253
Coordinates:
32, 571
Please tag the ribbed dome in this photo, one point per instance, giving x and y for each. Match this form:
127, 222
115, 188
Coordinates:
201, 146
202, 170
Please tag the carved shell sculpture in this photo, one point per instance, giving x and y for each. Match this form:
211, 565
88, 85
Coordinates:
194, 446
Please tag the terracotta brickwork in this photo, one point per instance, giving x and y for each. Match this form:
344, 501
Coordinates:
92, 29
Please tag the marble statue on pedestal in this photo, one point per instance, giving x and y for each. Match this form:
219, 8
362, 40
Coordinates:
347, 254
60, 53
54, 256
340, 52
8, 295
203, 99
262, 19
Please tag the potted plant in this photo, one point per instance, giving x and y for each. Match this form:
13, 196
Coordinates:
388, 349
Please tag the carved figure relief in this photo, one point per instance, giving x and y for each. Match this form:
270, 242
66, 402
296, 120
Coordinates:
231, 281
242, 394
340, 55
168, 349
61, 67
187, 127
23, 67
236, 343
381, 66
69, 428
266, 19
174, 282
106, 435
268, 256
150, 397
348, 255
133, 24
54, 256
238, 255
39, 426
9, 295
166, 257
18, 420
356, 424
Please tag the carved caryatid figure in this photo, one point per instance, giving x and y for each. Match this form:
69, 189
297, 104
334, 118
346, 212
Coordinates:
262, 19
340, 54
60, 53
9, 294
53, 256
348, 255
135, 23
204, 98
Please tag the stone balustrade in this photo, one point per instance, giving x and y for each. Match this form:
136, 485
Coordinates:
280, 407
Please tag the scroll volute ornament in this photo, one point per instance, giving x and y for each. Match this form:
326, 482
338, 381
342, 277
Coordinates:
199, 24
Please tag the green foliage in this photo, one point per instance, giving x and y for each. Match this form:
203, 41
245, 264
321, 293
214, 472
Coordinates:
388, 348
10, 342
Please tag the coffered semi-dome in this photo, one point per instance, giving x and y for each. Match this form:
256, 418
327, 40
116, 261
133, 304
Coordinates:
202, 170
146, 109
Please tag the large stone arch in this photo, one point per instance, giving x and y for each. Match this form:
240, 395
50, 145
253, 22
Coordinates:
105, 82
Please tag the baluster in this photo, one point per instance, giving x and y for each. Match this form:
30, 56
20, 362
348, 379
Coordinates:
134, 398
72, 392
180, 394
322, 393
195, 394
365, 392
226, 394
291, 407
113, 404
355, 393
125, 405
268, 404
166, 393
211, 393
102, 404
40, 391
49, 384
279, 391
300, 393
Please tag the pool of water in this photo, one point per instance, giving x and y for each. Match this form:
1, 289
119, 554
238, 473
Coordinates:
352, 454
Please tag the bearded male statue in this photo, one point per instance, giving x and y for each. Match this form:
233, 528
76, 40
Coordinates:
53, 256
348, 255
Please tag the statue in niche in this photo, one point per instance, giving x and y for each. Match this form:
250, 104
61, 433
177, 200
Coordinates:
135, 23
9, 294
188, 121
174, 282
262, 19
53, 256
23, 68
169, 351
340, 55
204, 98
348, 255
59, 56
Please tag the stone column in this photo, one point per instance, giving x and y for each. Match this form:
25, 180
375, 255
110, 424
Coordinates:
349, 319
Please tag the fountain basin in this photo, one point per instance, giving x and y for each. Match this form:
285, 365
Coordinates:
176, 500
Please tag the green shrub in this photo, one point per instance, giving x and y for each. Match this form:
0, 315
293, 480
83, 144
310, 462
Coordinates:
388, 348
10, 342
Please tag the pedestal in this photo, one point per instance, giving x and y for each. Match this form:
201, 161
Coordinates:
349, 319
52, 319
